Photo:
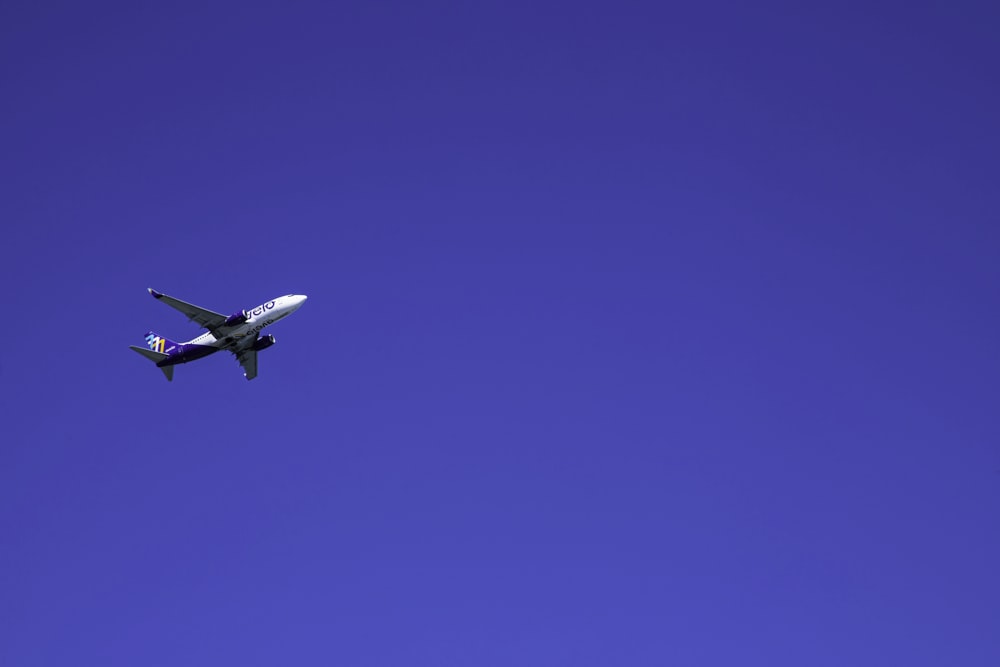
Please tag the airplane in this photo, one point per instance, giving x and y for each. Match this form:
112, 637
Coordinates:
236, 333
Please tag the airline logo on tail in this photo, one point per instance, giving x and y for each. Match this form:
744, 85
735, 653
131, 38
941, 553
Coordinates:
156, 343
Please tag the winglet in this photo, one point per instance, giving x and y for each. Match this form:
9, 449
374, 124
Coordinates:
154, 292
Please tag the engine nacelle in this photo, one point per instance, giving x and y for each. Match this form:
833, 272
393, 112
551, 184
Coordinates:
263, 343
237, 318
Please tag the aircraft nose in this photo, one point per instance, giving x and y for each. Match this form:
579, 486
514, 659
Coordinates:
299, 299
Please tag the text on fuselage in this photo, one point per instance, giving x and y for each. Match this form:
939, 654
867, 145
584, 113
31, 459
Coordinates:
261, 309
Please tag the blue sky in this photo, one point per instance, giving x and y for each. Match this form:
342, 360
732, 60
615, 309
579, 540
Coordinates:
637, 334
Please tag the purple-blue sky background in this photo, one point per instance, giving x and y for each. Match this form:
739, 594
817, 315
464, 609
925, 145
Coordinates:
637, 334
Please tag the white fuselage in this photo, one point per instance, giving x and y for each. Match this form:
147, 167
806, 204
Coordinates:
260, 317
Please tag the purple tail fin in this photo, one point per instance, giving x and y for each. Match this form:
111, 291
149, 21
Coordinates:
161, 344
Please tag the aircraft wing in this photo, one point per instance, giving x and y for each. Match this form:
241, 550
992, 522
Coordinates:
248, 360
209, 319
247, 356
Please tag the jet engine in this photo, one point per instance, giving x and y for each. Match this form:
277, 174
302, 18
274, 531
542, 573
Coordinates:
237, 318
263, 343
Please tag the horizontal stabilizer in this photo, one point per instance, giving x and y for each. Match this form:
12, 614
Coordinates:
155, 357
149, 354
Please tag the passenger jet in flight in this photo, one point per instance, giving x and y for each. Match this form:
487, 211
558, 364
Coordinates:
236, 333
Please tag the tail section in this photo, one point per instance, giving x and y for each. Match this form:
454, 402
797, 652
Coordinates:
155, 357
160, 344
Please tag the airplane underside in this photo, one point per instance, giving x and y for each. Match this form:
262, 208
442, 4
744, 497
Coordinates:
238, 333
190, 353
